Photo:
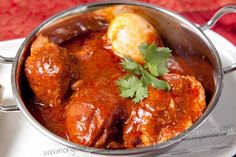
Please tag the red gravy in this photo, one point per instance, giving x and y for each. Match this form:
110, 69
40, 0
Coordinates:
99, 68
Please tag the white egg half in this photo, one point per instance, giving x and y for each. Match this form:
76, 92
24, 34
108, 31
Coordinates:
127, 31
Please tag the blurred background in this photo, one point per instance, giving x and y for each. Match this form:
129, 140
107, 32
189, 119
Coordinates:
19, 17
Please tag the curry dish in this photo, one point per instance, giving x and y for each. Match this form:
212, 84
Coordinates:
76, 93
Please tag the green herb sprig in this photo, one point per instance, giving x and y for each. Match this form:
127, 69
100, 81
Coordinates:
136, 85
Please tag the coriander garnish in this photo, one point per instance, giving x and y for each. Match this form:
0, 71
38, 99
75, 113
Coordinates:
136, 86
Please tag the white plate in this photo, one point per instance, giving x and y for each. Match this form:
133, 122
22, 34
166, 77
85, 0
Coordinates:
216, 137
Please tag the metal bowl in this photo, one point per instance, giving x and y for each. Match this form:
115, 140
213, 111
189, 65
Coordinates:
184, 37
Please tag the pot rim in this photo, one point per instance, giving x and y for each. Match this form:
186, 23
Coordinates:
149, 149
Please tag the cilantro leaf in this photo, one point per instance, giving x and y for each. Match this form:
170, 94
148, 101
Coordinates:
130, 65
136, 86
163, 85
147, 79
156, 58
131, 86
141, 93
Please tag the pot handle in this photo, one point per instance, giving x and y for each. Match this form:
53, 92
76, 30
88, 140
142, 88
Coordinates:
6, 60
218, 15
6, 108
213, 20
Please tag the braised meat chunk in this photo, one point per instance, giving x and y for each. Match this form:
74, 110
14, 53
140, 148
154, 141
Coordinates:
50, 70
188, 94
164, 115
93, 117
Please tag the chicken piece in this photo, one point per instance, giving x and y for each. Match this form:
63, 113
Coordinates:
164, 115
127, 31
50, 70
93, 116
143, 126
188, 93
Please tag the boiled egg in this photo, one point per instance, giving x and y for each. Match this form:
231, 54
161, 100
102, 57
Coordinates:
127, 31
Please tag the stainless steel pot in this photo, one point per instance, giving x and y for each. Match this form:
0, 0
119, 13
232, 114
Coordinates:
184, 37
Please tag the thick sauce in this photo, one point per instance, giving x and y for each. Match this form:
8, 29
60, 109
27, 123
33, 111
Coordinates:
160, 117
